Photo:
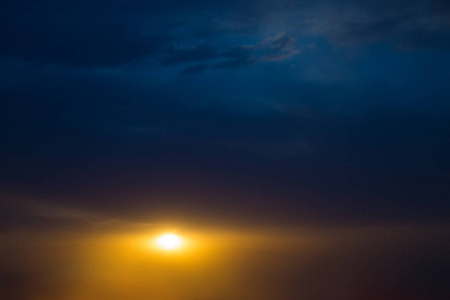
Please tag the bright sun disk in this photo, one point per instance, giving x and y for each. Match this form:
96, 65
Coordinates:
169, 242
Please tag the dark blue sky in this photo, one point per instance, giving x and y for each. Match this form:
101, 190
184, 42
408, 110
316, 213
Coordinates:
305, 112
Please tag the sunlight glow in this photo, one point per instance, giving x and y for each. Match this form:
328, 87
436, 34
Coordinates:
169, 242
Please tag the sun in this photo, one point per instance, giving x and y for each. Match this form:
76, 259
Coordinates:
169, 241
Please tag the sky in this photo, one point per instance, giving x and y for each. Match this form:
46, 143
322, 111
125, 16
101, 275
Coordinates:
304, 144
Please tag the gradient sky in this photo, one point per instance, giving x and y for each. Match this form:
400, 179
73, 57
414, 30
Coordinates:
241, 115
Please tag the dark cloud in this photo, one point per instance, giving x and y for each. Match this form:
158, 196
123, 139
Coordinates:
194, 69
237, 57
275, 48
115, 33
75, 40
422, 40
350, 23
101, 33
190, 54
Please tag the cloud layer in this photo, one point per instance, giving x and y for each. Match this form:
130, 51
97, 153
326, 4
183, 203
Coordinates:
85, 34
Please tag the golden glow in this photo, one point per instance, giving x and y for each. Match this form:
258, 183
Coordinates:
169, 242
